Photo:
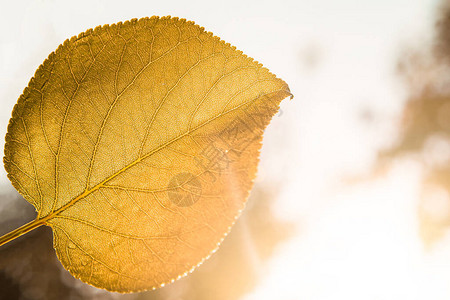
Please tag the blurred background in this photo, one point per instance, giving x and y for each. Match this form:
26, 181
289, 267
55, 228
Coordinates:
352, 198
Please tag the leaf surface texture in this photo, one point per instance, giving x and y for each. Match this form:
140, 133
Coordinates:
138, 144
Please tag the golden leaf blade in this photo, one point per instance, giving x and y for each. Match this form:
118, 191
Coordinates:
138, 144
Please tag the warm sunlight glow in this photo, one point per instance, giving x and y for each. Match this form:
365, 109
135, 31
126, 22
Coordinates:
352, 194
365, 245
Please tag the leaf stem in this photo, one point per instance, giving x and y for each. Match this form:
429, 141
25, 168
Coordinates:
20, 231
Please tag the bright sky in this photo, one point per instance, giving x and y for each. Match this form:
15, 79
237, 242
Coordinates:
339, 57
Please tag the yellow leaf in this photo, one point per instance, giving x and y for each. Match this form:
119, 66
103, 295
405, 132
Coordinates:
138, 143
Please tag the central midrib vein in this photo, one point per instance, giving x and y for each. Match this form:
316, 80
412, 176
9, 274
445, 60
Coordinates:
87, 192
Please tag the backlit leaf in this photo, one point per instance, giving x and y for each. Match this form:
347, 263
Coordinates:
138, 143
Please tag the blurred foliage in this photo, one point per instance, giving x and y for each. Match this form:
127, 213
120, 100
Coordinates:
30, 270
423, 118
425, 125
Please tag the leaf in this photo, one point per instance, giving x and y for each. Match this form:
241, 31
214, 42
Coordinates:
138, 143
